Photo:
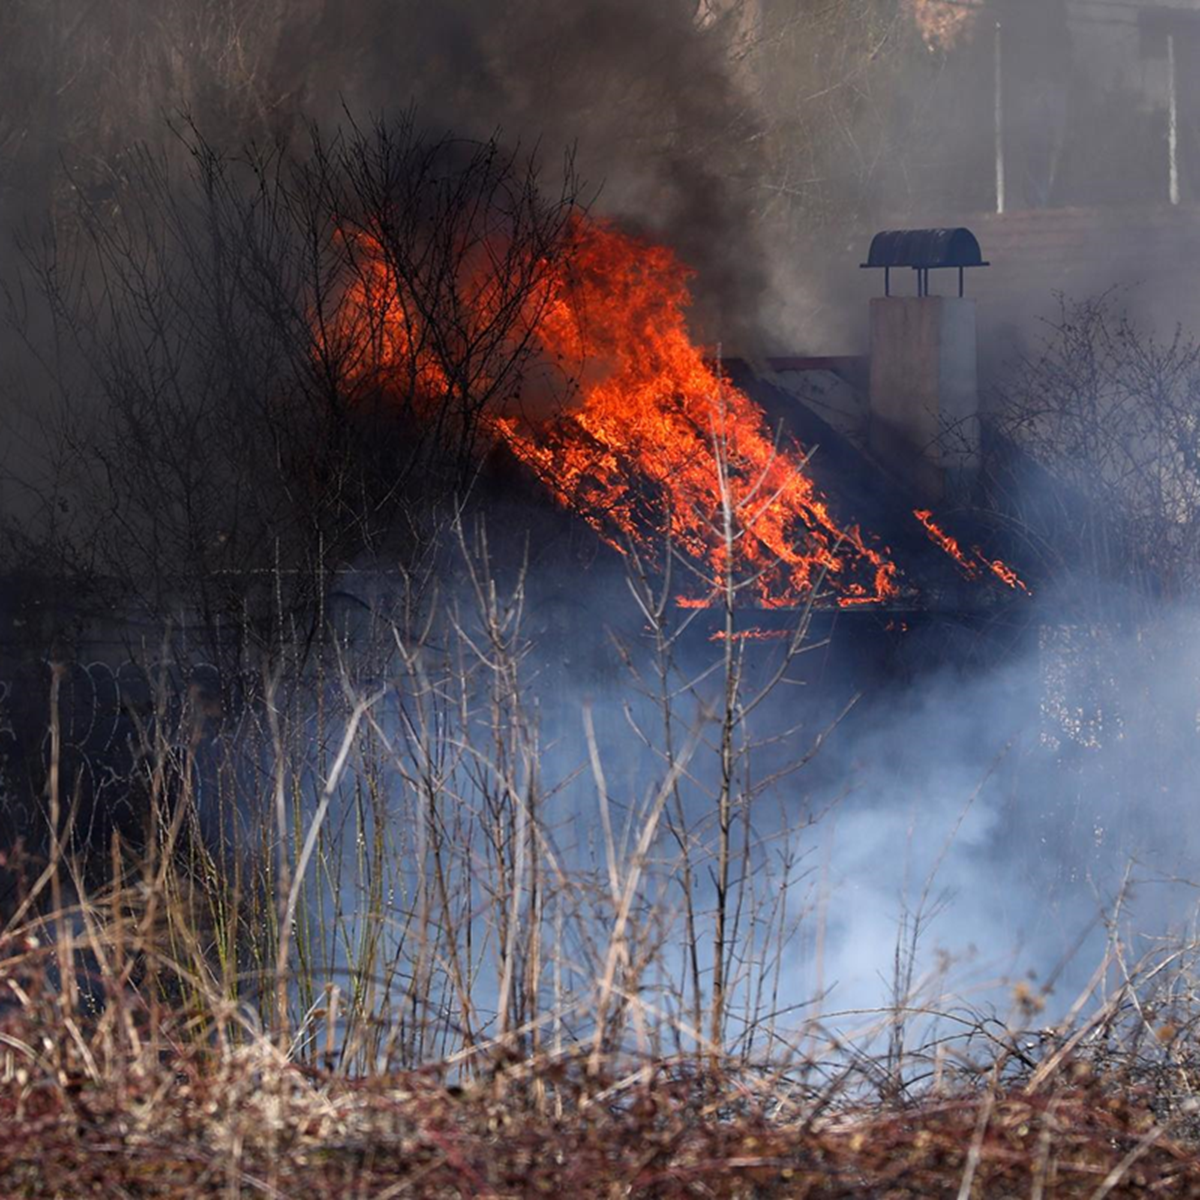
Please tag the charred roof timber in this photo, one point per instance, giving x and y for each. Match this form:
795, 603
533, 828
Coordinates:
924, 250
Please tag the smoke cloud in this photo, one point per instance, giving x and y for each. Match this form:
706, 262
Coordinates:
1006, 811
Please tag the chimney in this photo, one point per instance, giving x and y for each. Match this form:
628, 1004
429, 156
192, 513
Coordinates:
923, 418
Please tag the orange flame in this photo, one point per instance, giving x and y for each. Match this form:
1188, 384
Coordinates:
377, 329
657, 430
753, 635
971, 567
947, 543
1003, 572
656, 441
943, 23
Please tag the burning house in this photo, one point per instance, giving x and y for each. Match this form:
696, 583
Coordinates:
852, 480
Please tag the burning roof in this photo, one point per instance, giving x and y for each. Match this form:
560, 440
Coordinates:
943, 560
658, 445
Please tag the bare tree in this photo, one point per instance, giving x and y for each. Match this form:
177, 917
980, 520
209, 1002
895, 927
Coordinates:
281, 363
1105, 481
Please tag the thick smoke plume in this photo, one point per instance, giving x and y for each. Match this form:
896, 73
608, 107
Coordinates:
763, 140
650, 98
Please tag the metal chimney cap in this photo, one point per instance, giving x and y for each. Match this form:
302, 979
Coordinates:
924, 250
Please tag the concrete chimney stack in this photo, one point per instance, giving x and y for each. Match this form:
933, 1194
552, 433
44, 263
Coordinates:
923, 412
923, 419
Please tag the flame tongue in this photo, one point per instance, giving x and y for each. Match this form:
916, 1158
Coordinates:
974, 563
643, 451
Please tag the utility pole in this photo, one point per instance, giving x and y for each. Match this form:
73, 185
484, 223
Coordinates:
999, 121
1172, 121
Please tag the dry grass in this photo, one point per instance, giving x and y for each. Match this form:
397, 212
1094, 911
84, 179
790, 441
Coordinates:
396, 974
127, 1097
